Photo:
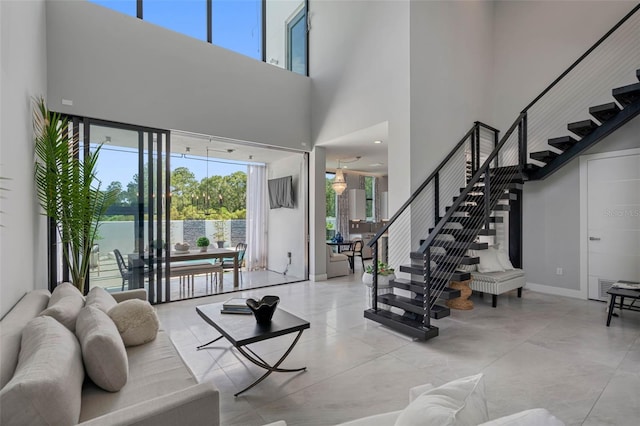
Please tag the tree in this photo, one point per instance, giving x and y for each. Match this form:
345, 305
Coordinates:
331, 198
115, 187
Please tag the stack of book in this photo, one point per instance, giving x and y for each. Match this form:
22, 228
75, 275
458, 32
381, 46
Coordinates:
235, 306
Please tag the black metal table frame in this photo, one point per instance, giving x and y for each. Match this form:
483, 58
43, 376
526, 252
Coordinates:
259, 361
622, 293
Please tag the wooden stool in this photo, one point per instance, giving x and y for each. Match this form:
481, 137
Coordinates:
461, 302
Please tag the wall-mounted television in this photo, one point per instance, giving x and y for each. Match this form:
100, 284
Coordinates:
281, 192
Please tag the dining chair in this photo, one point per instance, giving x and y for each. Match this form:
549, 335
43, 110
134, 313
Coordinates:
125, 272
355, 250
227, 262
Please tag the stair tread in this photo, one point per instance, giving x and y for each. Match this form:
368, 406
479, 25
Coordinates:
627, 95
447, 275
582, 128
544, 156
604, 112
460, 245
473, 219
474, 198
480, 208
464, 231
447, 293
413, 305
408, 326
562, 143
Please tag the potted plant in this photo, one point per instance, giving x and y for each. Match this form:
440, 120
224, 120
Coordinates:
203, 243
219, 234
385, 273
68, 190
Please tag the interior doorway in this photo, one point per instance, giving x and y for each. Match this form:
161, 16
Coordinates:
611, 234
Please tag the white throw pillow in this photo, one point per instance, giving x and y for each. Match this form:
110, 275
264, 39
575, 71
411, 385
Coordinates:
534, 417
460, 402
503, 258
136, 320
100, 298
103, 352
489, 261
46, 388
64, 305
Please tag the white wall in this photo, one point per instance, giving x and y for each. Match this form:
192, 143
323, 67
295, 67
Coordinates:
23, 264
286, 230
317, 215
451, 55
551, 228
119, 68
535, 41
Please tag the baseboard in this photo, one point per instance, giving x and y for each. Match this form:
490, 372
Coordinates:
556, 291
319, 277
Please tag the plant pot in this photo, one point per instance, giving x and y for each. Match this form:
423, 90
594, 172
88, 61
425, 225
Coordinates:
220, 244
383, 280
203, 249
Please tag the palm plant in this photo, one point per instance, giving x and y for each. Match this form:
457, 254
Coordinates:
68, 190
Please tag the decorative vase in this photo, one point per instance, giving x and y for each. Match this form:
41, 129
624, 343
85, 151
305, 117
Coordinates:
383, 280
264, 308
220, 244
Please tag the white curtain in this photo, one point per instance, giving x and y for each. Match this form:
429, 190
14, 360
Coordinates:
257, 205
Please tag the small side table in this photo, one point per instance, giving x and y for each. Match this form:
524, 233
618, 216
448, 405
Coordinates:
462, 303
622, 293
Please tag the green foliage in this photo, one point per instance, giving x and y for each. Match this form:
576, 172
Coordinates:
203, 242
331, 198
383, 269
67, 189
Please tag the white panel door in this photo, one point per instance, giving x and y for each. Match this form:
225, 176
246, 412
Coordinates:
613, 221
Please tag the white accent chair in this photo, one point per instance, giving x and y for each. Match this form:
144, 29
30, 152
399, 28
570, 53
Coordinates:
337, 264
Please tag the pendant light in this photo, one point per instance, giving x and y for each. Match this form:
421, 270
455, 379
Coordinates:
339, 184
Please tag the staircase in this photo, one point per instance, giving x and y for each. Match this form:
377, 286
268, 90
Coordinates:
492, 195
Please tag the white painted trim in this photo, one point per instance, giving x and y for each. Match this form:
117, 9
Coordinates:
319, 277
556, 291
584, 223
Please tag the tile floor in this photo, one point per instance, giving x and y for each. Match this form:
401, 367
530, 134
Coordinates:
538, 351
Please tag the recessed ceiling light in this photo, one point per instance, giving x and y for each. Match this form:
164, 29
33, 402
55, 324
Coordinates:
376, 164
377, 141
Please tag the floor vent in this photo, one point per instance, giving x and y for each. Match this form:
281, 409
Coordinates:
604, 285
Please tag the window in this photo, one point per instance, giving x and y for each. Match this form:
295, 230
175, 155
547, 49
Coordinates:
369, 182
185, 17
237, 26
297, 43
331, 206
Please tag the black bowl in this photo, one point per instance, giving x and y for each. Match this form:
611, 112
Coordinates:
264, 308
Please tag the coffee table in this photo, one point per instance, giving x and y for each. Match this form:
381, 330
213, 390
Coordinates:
242, 330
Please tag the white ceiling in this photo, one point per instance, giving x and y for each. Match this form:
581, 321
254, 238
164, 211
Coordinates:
373, 157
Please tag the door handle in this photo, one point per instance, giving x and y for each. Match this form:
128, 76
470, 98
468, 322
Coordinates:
594, 239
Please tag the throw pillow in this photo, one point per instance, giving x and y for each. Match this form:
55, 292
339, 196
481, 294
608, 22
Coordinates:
503, 259
136, 320
489, 261
101, 299
64, 290
103, 352
460, 402
46, 387
533, 417
65, 309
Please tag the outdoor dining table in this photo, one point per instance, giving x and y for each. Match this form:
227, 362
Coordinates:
138, 261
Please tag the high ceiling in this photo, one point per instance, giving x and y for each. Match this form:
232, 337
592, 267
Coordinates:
372, 157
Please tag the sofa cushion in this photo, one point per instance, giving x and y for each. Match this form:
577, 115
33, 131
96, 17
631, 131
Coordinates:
101, 299
11, 328
47, 384
155, 369
103, 352
533, 417
496, 277
460, 402
64, 305
136, 321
